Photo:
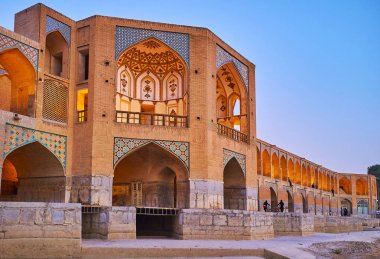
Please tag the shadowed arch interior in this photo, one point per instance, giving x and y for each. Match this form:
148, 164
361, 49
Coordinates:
57, 55
150, 176
234, 186
37, 175
290, 202
345, 186
17, 87
273, 200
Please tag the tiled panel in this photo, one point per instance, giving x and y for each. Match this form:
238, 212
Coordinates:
126, 37
123, 146
223, 57
17, 136
29, 52
54, 25
228, 155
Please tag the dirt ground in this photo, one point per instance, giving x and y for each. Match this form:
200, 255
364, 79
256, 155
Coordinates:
346, 249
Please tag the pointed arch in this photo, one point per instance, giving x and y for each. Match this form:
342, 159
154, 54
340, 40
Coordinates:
150, 176
266, 163
18, 86
284, 170
345, 185
37, 174
298, 173
291, 170
361, 187
234, 186
125, 83
275, 166
173, 86
57, 54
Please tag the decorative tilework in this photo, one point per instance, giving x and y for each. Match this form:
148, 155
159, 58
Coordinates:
228, 155
126, 37
29, 52
223, 57
16, 136
123, 146
54, 25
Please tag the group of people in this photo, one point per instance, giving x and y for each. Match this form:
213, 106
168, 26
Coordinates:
280, 206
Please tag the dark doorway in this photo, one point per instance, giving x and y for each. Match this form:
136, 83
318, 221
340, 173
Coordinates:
155, 226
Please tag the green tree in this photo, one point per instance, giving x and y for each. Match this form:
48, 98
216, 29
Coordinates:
375, 170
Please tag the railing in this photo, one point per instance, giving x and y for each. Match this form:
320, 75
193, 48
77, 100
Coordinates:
82, 116
151, 119
232, 133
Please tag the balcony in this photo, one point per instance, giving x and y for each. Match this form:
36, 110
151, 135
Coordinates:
232, 133
155, 119
82, 116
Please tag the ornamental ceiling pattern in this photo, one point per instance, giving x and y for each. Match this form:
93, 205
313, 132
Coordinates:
228, 155
153, 56
55, 25
127, 36
223, 57
29, 52
16, 136
123, 146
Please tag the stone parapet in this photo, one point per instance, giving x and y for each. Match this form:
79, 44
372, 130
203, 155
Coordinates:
335, 224
223, 224
110, 223
40, 230
290, 224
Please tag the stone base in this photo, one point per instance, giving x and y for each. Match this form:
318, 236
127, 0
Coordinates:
223, 224
40, 248
293, 224
94, 190
110, 223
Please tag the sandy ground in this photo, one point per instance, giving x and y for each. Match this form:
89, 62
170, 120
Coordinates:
318, 245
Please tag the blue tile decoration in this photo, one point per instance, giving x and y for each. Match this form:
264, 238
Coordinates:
228, 155
29, 52
54, 25
223, 57
16, 136
123, 146
127, 36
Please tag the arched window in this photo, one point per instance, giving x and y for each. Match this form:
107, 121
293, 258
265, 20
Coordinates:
362, 207
236, 109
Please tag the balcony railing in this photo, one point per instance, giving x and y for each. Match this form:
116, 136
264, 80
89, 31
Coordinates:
82, 116
232, 133
151, 119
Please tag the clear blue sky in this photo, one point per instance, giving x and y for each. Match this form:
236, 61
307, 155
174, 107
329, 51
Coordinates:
317, 65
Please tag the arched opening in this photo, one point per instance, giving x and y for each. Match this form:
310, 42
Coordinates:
258, 161
309, 176
266, 164
284, 171
361, 187
57, 55
275, 166
346, 207
17, 82
235, 197
231, 99
151, 176
362, 207
152, 79
298, 173
31, 173
304, 204
291, 170
304, 175
345, 186
273, 200
290, 202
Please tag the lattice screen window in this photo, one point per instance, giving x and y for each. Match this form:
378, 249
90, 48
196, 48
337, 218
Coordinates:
137, 194
55, 101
